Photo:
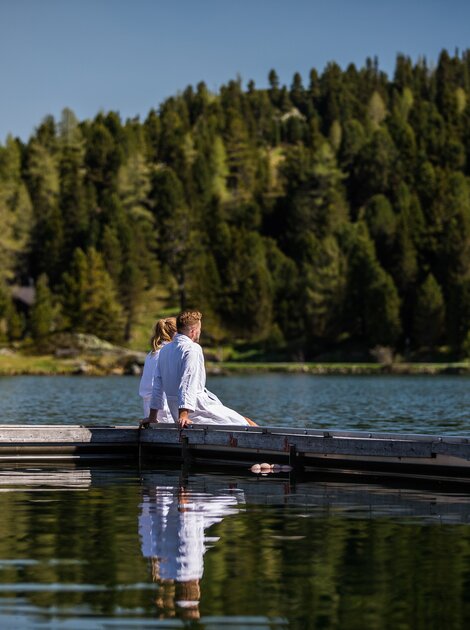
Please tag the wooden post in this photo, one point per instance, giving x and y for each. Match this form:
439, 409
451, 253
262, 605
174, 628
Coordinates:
186, 452
294, 459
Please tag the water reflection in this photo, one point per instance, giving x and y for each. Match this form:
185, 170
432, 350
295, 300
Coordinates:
96, 547
37, 479
173, 528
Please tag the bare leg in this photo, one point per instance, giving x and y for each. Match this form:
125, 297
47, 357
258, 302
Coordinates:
250, 422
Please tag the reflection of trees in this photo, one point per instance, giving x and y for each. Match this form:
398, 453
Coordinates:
73, 538
316, 568
344, 573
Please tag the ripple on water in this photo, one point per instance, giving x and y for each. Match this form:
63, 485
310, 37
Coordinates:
424, 404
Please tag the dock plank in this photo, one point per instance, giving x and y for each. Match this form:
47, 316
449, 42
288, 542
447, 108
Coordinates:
222, 445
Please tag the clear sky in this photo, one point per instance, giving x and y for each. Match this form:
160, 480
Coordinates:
129, 55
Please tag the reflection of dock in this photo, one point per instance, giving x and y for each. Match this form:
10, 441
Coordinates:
316, 498
353, 498
304, 449
44, 479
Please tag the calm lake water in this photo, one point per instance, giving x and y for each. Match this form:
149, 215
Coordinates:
417, 404
99, 547
102, 548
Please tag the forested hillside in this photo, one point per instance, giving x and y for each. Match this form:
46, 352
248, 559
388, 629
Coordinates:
300, 217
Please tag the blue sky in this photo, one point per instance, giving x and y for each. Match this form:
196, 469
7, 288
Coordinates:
129, 55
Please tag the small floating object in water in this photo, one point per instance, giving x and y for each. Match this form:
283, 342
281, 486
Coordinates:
262, 468
266, 468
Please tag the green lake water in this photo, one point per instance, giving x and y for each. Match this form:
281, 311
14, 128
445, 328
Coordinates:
99, 547
104, 547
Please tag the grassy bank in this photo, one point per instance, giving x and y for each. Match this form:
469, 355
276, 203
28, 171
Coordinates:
339, 368
17, 364
20, 364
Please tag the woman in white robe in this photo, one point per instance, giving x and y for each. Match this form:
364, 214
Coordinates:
163, 333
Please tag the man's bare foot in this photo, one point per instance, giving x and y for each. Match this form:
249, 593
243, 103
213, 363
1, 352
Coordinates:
250, 422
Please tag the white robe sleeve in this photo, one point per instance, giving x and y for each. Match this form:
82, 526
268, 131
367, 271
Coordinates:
190, 378
156, 401
146, 381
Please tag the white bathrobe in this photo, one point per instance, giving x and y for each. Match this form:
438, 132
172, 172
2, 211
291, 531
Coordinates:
146, 384
181, 376
175, 532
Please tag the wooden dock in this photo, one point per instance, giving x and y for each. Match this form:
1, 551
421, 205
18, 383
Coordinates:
308, 450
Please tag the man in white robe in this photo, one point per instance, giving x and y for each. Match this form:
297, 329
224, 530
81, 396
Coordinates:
173, 530
181, 376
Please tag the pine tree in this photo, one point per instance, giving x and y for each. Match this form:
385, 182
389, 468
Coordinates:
274, 92
89, 298
429, 314
323, 273
176, 225
374, 168
376, 110
246, 303
4, 303
373, 304
314, 200
15, 213
48, 227
42, 312
16, 323
132, 286
112, 252
382, 224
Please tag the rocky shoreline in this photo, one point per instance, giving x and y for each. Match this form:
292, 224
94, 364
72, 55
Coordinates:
80, 354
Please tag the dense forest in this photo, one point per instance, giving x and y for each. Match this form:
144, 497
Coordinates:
306, 217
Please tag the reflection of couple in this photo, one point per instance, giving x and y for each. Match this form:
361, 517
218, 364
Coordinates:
173, 384
172, 529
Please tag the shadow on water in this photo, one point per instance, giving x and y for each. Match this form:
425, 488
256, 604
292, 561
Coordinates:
85, 547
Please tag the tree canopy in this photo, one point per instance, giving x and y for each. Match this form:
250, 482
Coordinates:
299, 216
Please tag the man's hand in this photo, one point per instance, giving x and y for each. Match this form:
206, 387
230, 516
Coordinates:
183, 418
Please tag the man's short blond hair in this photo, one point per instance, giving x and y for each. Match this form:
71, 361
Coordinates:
187, 319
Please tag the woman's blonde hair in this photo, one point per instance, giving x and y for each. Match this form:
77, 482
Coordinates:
163, 331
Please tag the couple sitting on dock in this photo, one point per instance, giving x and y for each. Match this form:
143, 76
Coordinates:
173, 384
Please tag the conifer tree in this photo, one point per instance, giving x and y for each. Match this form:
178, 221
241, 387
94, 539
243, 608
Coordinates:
274, 93
89, 298
16, 324
373, 304
356, 172
175, 224
429, 314
42, 312
323, 273
15, 213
